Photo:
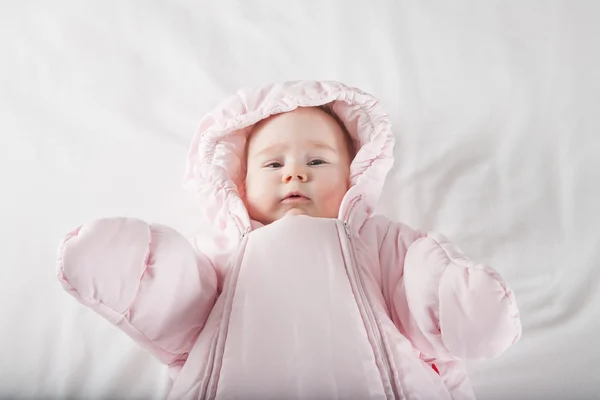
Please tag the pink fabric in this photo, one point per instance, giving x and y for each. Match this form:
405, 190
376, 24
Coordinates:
353, 307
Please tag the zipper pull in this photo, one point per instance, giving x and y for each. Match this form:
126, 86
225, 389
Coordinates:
247, 231
347, 229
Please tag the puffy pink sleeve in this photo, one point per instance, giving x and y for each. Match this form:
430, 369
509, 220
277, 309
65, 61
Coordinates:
447, 305
145, 279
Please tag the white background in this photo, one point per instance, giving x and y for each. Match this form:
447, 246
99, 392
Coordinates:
496, 107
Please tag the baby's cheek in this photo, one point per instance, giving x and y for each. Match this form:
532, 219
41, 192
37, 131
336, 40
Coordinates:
332, 198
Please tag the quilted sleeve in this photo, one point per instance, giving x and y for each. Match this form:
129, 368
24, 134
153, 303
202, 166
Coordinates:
447, 305
146, 279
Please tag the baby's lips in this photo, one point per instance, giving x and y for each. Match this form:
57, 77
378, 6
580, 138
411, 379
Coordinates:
296, 193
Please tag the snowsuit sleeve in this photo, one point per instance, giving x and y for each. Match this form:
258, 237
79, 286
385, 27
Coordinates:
447, 305
146, 279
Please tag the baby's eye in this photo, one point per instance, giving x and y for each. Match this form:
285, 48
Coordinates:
316, 162
274, 165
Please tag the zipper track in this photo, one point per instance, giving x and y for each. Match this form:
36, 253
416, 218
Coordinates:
208, 389
382, 349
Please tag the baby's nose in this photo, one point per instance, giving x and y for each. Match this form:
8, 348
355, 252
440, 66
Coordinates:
300, 176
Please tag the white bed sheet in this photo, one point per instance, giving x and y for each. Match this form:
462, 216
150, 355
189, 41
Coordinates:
495, 107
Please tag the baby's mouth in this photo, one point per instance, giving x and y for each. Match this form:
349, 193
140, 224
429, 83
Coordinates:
295, 198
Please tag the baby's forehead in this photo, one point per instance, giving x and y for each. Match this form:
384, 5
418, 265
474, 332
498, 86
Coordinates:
312, 127
308, 124
271, 144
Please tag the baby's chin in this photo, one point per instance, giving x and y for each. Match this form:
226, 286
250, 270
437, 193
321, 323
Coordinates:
296, 211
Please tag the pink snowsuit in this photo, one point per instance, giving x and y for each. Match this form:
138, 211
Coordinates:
357, 307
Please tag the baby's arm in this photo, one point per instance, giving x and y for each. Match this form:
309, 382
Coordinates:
146, 279
447, 305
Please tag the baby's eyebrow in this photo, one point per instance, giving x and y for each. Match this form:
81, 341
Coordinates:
321, 145
272, 149
278, 147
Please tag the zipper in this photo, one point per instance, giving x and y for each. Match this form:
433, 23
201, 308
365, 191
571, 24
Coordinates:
209, 390
247, 231
380, 345
242, 228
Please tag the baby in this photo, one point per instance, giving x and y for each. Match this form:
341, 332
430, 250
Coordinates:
299, 292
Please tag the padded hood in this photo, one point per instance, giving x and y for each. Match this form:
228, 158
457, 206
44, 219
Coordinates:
215, 165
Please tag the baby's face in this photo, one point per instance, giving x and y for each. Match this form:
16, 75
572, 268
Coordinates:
298, 163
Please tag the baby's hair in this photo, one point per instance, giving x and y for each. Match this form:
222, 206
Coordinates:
328, 108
